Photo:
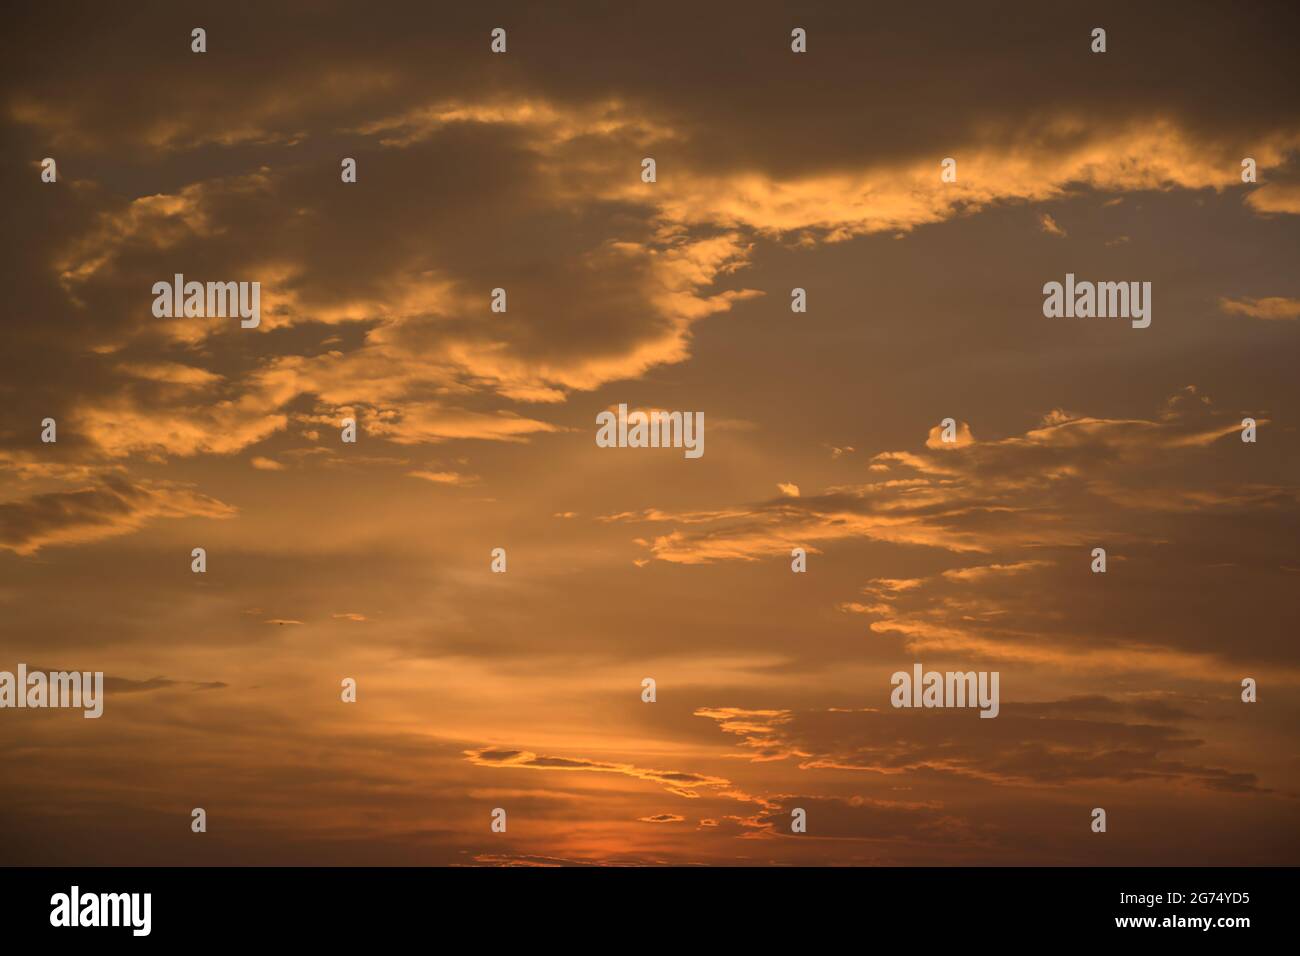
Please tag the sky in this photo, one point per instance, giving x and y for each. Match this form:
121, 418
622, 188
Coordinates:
523, 691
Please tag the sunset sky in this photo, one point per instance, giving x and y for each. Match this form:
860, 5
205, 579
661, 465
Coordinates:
476, 430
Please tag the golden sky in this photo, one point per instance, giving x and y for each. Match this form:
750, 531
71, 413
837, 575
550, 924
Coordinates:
522, 690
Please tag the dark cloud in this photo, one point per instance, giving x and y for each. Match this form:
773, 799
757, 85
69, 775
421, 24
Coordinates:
125, 685
1025, 745
114, 507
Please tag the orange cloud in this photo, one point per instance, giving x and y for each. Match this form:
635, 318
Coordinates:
1042, 488
678, 782
1271, 307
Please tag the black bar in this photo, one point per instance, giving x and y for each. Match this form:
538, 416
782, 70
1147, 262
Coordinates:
658, 906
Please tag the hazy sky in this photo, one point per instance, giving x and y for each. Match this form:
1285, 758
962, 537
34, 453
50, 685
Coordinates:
522, 690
